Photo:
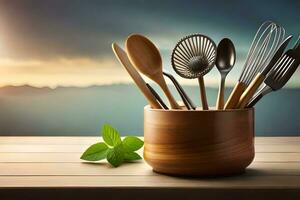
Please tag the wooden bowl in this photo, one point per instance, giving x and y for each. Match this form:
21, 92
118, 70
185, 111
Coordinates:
199, 143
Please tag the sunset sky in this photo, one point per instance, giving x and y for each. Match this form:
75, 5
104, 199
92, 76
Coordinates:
68, 42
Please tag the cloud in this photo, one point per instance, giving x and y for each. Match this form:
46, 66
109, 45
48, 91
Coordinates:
72, 38
62, 72
49, 29
61, 65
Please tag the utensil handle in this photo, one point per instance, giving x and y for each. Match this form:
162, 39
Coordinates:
297, 45
251, 89
188, 102
235, 95
191, 104
254, 100
162, 83
178, 88
203, 93
220, 99
264, 90
161, 102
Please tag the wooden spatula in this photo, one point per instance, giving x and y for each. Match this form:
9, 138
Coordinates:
139, 81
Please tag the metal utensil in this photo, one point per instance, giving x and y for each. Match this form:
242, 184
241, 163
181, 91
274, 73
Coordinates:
160, 101
297, 44
260, 77
193, 57
185, 98
139, 81
281, 73
146, 58
264, 45
224, 62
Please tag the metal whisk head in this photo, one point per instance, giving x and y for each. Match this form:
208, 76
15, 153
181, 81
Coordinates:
194, 56
264, 45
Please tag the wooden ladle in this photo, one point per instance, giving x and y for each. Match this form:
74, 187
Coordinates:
146, 58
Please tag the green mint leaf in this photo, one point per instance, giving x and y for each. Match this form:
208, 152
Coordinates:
110, 135
95, 152
132, 156
132, 143
115, 156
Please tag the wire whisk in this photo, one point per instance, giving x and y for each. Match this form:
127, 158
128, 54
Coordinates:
264, 45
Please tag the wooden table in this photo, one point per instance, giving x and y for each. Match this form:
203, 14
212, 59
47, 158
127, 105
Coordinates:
50, 168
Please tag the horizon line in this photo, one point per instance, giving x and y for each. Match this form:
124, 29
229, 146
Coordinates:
116, 84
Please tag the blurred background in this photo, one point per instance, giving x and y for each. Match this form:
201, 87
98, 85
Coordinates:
60, 77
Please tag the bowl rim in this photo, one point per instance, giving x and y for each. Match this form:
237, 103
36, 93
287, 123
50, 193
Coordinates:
148, 108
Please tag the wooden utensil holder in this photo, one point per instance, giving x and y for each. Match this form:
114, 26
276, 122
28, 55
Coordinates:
197, 142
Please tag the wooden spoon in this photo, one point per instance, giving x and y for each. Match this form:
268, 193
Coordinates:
123, 59
146, 58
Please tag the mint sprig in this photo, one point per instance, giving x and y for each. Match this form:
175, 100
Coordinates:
131, 156
113, 149
115, 156
110, 135
95, 152
131, 144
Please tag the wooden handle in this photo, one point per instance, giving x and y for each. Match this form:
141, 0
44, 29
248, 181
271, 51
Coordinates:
249, 92
203, 93
139, 81
235, 95
162, 83
220, 99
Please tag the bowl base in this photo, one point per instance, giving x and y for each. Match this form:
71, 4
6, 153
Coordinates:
202, 175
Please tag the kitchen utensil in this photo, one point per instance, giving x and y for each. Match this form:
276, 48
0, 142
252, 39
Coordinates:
260, 77
281, 73
139, 81
146, 58
297, 44
224, 62
185, 98
193, 57
264, 45
160, 101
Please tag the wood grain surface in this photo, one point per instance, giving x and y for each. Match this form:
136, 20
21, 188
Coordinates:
50, 168
199, 143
